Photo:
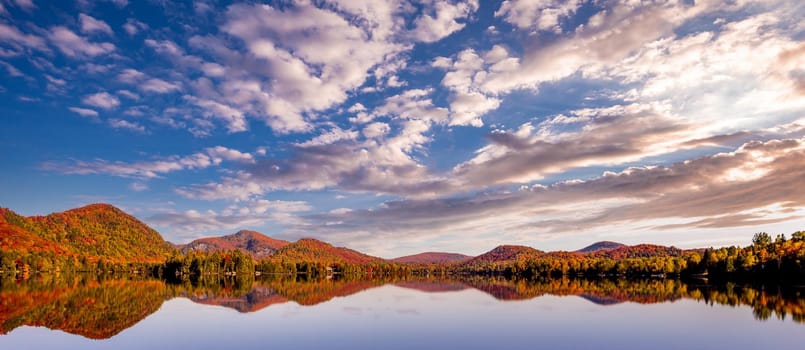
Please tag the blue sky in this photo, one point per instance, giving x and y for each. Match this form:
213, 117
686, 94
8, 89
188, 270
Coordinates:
395, 127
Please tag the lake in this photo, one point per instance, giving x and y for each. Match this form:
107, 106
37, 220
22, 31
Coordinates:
283, 312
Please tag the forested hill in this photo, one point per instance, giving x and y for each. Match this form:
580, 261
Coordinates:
100, 237
432, 258
313, 250
95, 231
255, 243
601, 246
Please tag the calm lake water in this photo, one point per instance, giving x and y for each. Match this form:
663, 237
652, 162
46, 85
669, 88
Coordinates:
83, 312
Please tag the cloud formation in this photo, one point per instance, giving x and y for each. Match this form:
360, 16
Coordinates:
192, 224
212, 156
427, 121
756, 184
74, 45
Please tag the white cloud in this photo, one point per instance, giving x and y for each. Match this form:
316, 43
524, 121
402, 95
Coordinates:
55, 81
414, 104
165, 46
263, 205
329, 137
234, 217
12, 71
599, 136
130, 76
467, 102
735, 71
212, 156
74, 45
538, 14
689, 196
213, 69
138, 186
439, 19
84, 112
358, 107
133, 26
128, 125
103, 100
375, 130
128, 94
90, 25
234, 119
14, 36
158, 86
599, 43
301, 59
348, 164
219, 153
26, 5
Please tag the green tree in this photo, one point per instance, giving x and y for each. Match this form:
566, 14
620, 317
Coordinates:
761, 240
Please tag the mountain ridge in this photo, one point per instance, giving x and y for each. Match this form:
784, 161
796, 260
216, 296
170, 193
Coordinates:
104, 231
255, 243
601, 245
432, 258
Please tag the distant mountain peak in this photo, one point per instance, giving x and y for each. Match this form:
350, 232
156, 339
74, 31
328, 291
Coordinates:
601, 246
505, 252
248, 233
432, 258
251, 242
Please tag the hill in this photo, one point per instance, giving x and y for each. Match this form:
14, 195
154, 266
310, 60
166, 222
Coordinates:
638, 251
255, 243
94, 231
309, 249
599, 246
505, 253
432, 258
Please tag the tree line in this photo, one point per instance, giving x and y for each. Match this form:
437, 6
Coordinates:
779, 258
766, 258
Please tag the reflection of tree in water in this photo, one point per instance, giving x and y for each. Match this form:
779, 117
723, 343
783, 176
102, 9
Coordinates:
84, 305
766, 301
98, 308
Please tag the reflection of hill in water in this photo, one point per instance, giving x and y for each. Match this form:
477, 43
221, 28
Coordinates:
92, 309
258, 298
433, 286
601, 300
96, 308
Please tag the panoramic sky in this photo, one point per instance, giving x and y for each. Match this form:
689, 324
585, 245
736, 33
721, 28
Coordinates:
395, 127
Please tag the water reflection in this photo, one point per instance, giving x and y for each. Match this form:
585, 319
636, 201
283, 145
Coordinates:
99, 307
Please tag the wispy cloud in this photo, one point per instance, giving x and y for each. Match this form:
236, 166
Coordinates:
757, 184
73, 45
127, 125
212, 156
102, 99
451, 112
233, 217
84, 112
91, 24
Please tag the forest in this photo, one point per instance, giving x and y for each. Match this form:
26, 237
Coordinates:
780, 259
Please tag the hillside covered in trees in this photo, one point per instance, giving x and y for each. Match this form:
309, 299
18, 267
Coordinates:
254, 243
78, 239
102, 238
